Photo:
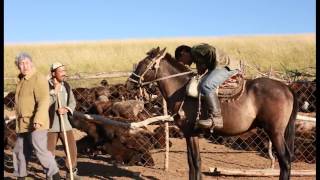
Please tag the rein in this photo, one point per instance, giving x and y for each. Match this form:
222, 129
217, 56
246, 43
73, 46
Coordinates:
154, 63
159, 79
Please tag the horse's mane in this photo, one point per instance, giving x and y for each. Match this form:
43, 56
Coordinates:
175, 63
155, 51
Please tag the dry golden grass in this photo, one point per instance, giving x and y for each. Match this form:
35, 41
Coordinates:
293, 51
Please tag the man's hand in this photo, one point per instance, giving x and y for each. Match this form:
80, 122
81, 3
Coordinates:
36, 125
62, 111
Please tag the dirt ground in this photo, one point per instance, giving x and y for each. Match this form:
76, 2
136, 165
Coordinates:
212, 155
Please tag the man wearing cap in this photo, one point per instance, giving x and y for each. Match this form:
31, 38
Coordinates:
58, 85
32, 123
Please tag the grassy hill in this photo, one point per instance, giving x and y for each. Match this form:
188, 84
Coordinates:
264, 51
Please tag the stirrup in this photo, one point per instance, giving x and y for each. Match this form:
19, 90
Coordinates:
212, 127
206, 127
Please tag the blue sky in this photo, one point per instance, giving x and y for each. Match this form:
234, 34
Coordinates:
80, 20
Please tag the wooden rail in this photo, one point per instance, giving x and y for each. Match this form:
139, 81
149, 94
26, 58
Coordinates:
78, 76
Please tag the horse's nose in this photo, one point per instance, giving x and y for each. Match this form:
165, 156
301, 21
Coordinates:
130, 85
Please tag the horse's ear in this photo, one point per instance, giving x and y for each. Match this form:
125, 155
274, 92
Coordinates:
149, 52
162, 51
153, 52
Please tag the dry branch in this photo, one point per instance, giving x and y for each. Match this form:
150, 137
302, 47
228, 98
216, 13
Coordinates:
257, 69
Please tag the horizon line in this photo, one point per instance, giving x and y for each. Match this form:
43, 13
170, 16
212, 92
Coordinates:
149, 38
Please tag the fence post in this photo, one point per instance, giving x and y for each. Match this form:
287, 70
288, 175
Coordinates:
166, 158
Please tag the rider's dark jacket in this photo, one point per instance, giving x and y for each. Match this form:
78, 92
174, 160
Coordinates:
208, 57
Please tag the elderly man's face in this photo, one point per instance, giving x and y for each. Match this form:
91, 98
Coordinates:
25, 66
59, 74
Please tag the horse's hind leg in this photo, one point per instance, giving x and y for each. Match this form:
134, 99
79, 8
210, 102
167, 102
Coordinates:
194, 159
270, 154
283, 155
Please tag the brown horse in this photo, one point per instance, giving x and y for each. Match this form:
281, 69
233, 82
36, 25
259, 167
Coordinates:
265, 103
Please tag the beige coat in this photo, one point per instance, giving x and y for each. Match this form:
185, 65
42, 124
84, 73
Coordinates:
32, 102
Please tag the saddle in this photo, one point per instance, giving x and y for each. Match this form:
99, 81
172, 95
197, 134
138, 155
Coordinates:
229, 90
232, 88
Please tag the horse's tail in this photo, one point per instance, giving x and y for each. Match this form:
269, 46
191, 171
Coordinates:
290, 130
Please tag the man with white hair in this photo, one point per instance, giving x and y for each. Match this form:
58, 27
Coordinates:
32, 123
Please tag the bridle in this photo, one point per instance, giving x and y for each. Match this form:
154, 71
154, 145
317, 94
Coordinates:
154, 64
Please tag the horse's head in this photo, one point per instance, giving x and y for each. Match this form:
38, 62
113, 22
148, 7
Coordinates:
146, 69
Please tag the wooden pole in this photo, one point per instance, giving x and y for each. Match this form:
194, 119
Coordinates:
258, 172
165, 113
65, 138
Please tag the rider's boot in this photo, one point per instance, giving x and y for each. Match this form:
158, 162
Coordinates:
214, 118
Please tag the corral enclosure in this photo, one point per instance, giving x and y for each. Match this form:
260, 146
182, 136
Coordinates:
245, 152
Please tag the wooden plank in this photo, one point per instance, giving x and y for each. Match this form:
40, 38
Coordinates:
306, 118
109, 121
258, 172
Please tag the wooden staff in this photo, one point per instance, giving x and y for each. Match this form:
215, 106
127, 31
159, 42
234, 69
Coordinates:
166, 157
65, 138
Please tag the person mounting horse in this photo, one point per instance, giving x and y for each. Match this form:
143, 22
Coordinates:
218, 67
264, 103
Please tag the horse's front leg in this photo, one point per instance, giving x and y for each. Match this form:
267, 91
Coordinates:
194, 159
